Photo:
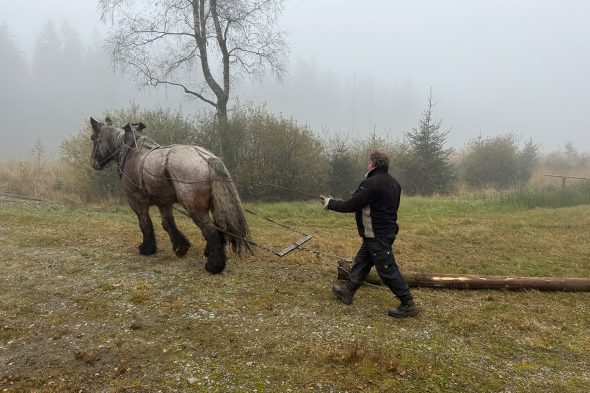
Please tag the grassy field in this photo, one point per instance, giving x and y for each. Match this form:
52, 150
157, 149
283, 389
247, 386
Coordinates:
82, 311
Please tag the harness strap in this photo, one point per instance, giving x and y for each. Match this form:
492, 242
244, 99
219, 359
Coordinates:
142, 163
123, 160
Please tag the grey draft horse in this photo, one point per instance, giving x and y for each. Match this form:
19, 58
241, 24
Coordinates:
163, 175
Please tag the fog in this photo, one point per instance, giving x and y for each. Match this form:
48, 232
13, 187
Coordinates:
354, 67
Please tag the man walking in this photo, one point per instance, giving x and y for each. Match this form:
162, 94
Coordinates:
375, 204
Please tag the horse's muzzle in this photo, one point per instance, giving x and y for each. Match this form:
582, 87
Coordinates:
97, 165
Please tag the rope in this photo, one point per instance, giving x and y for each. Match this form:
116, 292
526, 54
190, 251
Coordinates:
27, 198
276, 223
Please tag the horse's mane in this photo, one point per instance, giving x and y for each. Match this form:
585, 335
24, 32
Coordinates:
144, 141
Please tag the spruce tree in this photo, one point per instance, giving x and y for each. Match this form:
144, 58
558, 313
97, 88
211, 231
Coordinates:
429, 170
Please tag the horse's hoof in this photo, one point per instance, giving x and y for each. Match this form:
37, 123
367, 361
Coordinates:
214, 269
181, 249
147, 249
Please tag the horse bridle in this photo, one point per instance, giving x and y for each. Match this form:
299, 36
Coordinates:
96, 142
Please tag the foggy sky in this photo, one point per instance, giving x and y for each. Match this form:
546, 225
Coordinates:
494, 67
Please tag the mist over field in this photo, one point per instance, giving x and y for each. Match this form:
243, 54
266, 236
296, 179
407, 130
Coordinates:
494, 68
238, 121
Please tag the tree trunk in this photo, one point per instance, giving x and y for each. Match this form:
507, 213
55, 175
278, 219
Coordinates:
463, 281
222, 118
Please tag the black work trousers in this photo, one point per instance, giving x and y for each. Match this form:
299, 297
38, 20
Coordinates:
377, 251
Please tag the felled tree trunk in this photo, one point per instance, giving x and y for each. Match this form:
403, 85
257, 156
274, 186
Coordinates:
463, 281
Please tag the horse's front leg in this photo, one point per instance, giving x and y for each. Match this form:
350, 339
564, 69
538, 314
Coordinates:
142, 210
180, 244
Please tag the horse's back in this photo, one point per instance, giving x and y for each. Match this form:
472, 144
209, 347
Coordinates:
188, 162
188, 166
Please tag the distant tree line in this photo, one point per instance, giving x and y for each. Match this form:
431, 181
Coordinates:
44, 94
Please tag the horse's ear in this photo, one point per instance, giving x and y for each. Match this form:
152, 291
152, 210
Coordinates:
95, 125
108, 121
139, 126
129, 138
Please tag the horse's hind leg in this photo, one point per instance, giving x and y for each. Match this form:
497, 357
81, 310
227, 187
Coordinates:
215, 248
180, 244
142, 210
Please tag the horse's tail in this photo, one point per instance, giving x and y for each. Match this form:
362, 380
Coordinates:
228, 213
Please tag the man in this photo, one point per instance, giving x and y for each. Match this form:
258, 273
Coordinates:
375, 204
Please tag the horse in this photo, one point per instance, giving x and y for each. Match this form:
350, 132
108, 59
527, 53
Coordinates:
163, 175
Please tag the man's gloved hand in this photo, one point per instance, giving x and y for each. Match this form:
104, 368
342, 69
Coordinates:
325, 200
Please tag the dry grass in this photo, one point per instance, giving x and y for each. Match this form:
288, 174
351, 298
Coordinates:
80, 310
539, 178
36, 178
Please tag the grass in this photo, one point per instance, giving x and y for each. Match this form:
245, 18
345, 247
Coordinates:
81, 310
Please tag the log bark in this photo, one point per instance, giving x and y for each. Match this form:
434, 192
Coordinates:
468, 281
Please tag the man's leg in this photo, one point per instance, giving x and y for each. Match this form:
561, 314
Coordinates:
384, 260
359, 271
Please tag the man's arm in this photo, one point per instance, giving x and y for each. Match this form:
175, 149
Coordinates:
360, 199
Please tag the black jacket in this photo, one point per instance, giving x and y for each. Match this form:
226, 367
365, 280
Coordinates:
375, 204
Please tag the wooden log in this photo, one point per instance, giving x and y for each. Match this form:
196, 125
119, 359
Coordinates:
468, 281
461, 281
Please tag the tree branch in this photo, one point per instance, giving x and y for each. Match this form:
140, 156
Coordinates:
156, 82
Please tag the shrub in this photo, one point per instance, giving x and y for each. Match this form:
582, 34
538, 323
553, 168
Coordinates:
342, 170
275, 158
398, 157
498, 162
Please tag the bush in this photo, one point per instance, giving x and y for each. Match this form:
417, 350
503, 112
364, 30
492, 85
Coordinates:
341, 181
348, 158
498, 162
275, 158
566, 161
398, 157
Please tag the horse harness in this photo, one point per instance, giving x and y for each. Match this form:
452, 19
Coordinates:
123, 160
296, 245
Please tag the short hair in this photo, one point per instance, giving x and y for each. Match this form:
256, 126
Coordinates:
379, 158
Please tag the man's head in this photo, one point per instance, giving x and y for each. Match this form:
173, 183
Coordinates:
378, 159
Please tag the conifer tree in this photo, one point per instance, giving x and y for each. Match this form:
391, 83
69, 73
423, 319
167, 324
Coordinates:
429, 170
341, 174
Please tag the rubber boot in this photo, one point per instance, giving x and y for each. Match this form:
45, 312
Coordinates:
405, 309
345, 294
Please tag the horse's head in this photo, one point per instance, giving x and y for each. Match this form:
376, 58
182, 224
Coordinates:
101, 151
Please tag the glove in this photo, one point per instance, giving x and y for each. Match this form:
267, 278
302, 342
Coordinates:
325, 200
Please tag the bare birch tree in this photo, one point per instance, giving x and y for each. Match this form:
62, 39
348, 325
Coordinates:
200, 46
